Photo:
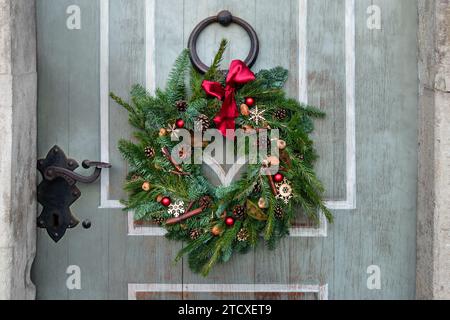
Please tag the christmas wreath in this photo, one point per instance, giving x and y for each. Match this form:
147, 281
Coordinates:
219, 221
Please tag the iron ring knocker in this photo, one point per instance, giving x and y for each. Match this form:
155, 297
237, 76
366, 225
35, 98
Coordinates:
225, 18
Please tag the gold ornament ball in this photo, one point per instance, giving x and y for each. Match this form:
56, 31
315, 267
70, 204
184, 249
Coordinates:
159, 198
146, 186
216, 230
274, 161
248, 129
265, 163
262, 203
281, 144
162, 132
245, 111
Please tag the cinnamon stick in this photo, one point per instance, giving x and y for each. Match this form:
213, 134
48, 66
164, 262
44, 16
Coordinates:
190, 206
166, 153
272, 183
285, 158
180, 173
183, 217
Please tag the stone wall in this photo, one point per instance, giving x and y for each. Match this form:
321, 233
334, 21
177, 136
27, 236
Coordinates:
18, 83
433, 226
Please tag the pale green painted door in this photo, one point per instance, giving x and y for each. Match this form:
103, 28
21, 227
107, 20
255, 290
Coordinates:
363, 74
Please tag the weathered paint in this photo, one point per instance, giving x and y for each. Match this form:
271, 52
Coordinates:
380, 231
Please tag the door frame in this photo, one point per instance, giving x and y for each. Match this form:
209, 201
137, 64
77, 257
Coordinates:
18, 118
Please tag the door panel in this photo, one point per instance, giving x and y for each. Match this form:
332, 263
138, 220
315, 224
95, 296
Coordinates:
365, 80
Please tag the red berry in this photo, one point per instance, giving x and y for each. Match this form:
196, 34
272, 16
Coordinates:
180, 123
166, 201
250, 102
278, 177
229, 221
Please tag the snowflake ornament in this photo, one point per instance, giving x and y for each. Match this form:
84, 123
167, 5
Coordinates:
284, 191
174, 131
176, 209
257, 115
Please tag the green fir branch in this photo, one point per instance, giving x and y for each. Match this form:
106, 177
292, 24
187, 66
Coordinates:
214, 72
150, 113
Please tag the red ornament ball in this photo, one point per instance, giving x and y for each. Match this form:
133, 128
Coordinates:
180, 123
166, 201
229, 221
250, 102
278, 177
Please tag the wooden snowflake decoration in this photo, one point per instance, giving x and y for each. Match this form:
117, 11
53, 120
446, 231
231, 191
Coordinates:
284, 191
176, 209
257, 115
174, 132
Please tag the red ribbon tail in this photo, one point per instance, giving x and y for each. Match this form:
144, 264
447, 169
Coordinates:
226, 127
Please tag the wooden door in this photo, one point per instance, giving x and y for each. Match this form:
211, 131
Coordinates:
362, 73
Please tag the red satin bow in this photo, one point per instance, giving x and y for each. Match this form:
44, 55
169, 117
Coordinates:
238, 74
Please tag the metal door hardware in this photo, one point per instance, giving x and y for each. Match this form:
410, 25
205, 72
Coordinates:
225, 18
58, 190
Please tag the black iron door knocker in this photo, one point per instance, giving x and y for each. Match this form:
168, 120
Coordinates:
225, 18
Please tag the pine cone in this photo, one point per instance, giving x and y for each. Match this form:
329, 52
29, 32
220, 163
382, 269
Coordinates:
279, 212
159, 220
195, 234
205, 202
280, 114
257, 188
239, 212
204, 123
242, 235
149, 152
182, 105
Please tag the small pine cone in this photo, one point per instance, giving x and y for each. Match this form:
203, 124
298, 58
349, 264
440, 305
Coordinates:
239, 212
279, 212
149, 152
159, 220
204, 122
280, 114
205, 202
182, 105
242, 235
257, 188
195, 234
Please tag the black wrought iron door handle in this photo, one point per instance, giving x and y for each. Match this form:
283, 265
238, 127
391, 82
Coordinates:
58, 190
52, 172
225, 18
